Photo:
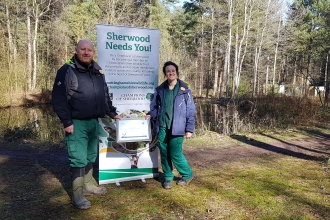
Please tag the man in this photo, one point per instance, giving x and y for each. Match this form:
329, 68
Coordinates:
80, 96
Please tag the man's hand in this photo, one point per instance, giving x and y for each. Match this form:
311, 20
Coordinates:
69, 129
147, 117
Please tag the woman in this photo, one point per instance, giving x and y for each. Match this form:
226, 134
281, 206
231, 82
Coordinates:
173, 113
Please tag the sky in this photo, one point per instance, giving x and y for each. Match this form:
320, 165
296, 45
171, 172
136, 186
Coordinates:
181, 2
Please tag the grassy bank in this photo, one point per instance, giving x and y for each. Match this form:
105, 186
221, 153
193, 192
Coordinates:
250, 176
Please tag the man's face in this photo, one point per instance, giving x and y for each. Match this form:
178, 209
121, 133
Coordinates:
85, 52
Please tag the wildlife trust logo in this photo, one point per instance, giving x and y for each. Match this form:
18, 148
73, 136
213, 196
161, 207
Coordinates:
149, 96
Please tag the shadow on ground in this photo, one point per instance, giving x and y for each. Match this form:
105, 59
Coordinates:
315, 148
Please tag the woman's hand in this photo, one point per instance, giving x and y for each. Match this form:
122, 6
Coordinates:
147, 117
188, 135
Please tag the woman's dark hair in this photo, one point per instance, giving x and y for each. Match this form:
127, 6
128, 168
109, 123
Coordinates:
168, 63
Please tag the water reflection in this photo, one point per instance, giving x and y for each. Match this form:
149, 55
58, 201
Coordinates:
208, 118
47, 126
39, 122
225, 118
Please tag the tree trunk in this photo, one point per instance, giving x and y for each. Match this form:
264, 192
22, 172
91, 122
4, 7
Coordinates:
308, 74
34, 47
216, 74
29, 46
10, 39
209, 72
238, 54
275, 54
295, 75
10, 50
258, 50
295, 72
38, 13
226, 69
255, 72
195, 78
326, 82
235, 69
267, 74
201, 79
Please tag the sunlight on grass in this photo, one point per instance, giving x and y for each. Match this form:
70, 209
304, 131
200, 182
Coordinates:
274, 186
264, 188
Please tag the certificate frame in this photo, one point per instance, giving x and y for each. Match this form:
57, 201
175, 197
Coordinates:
133, 130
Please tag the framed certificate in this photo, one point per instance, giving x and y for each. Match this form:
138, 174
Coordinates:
133, 130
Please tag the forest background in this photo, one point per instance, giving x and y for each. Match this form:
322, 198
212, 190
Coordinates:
237, 53
224, 48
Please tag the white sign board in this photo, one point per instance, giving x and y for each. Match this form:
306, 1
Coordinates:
129, 58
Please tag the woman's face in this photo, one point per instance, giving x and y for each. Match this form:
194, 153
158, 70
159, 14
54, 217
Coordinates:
170, 73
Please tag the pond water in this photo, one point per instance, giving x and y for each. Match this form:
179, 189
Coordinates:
40, 122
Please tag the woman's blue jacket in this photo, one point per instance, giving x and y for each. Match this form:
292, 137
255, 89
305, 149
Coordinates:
184, 110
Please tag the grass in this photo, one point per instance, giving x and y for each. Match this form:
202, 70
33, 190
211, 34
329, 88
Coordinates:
274, 186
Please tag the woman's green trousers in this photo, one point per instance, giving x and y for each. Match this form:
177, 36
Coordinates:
171, 151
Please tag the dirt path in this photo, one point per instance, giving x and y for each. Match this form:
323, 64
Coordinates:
315, 148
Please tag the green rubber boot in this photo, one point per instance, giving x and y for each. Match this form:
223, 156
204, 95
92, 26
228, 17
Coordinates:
90, 184
78, 198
